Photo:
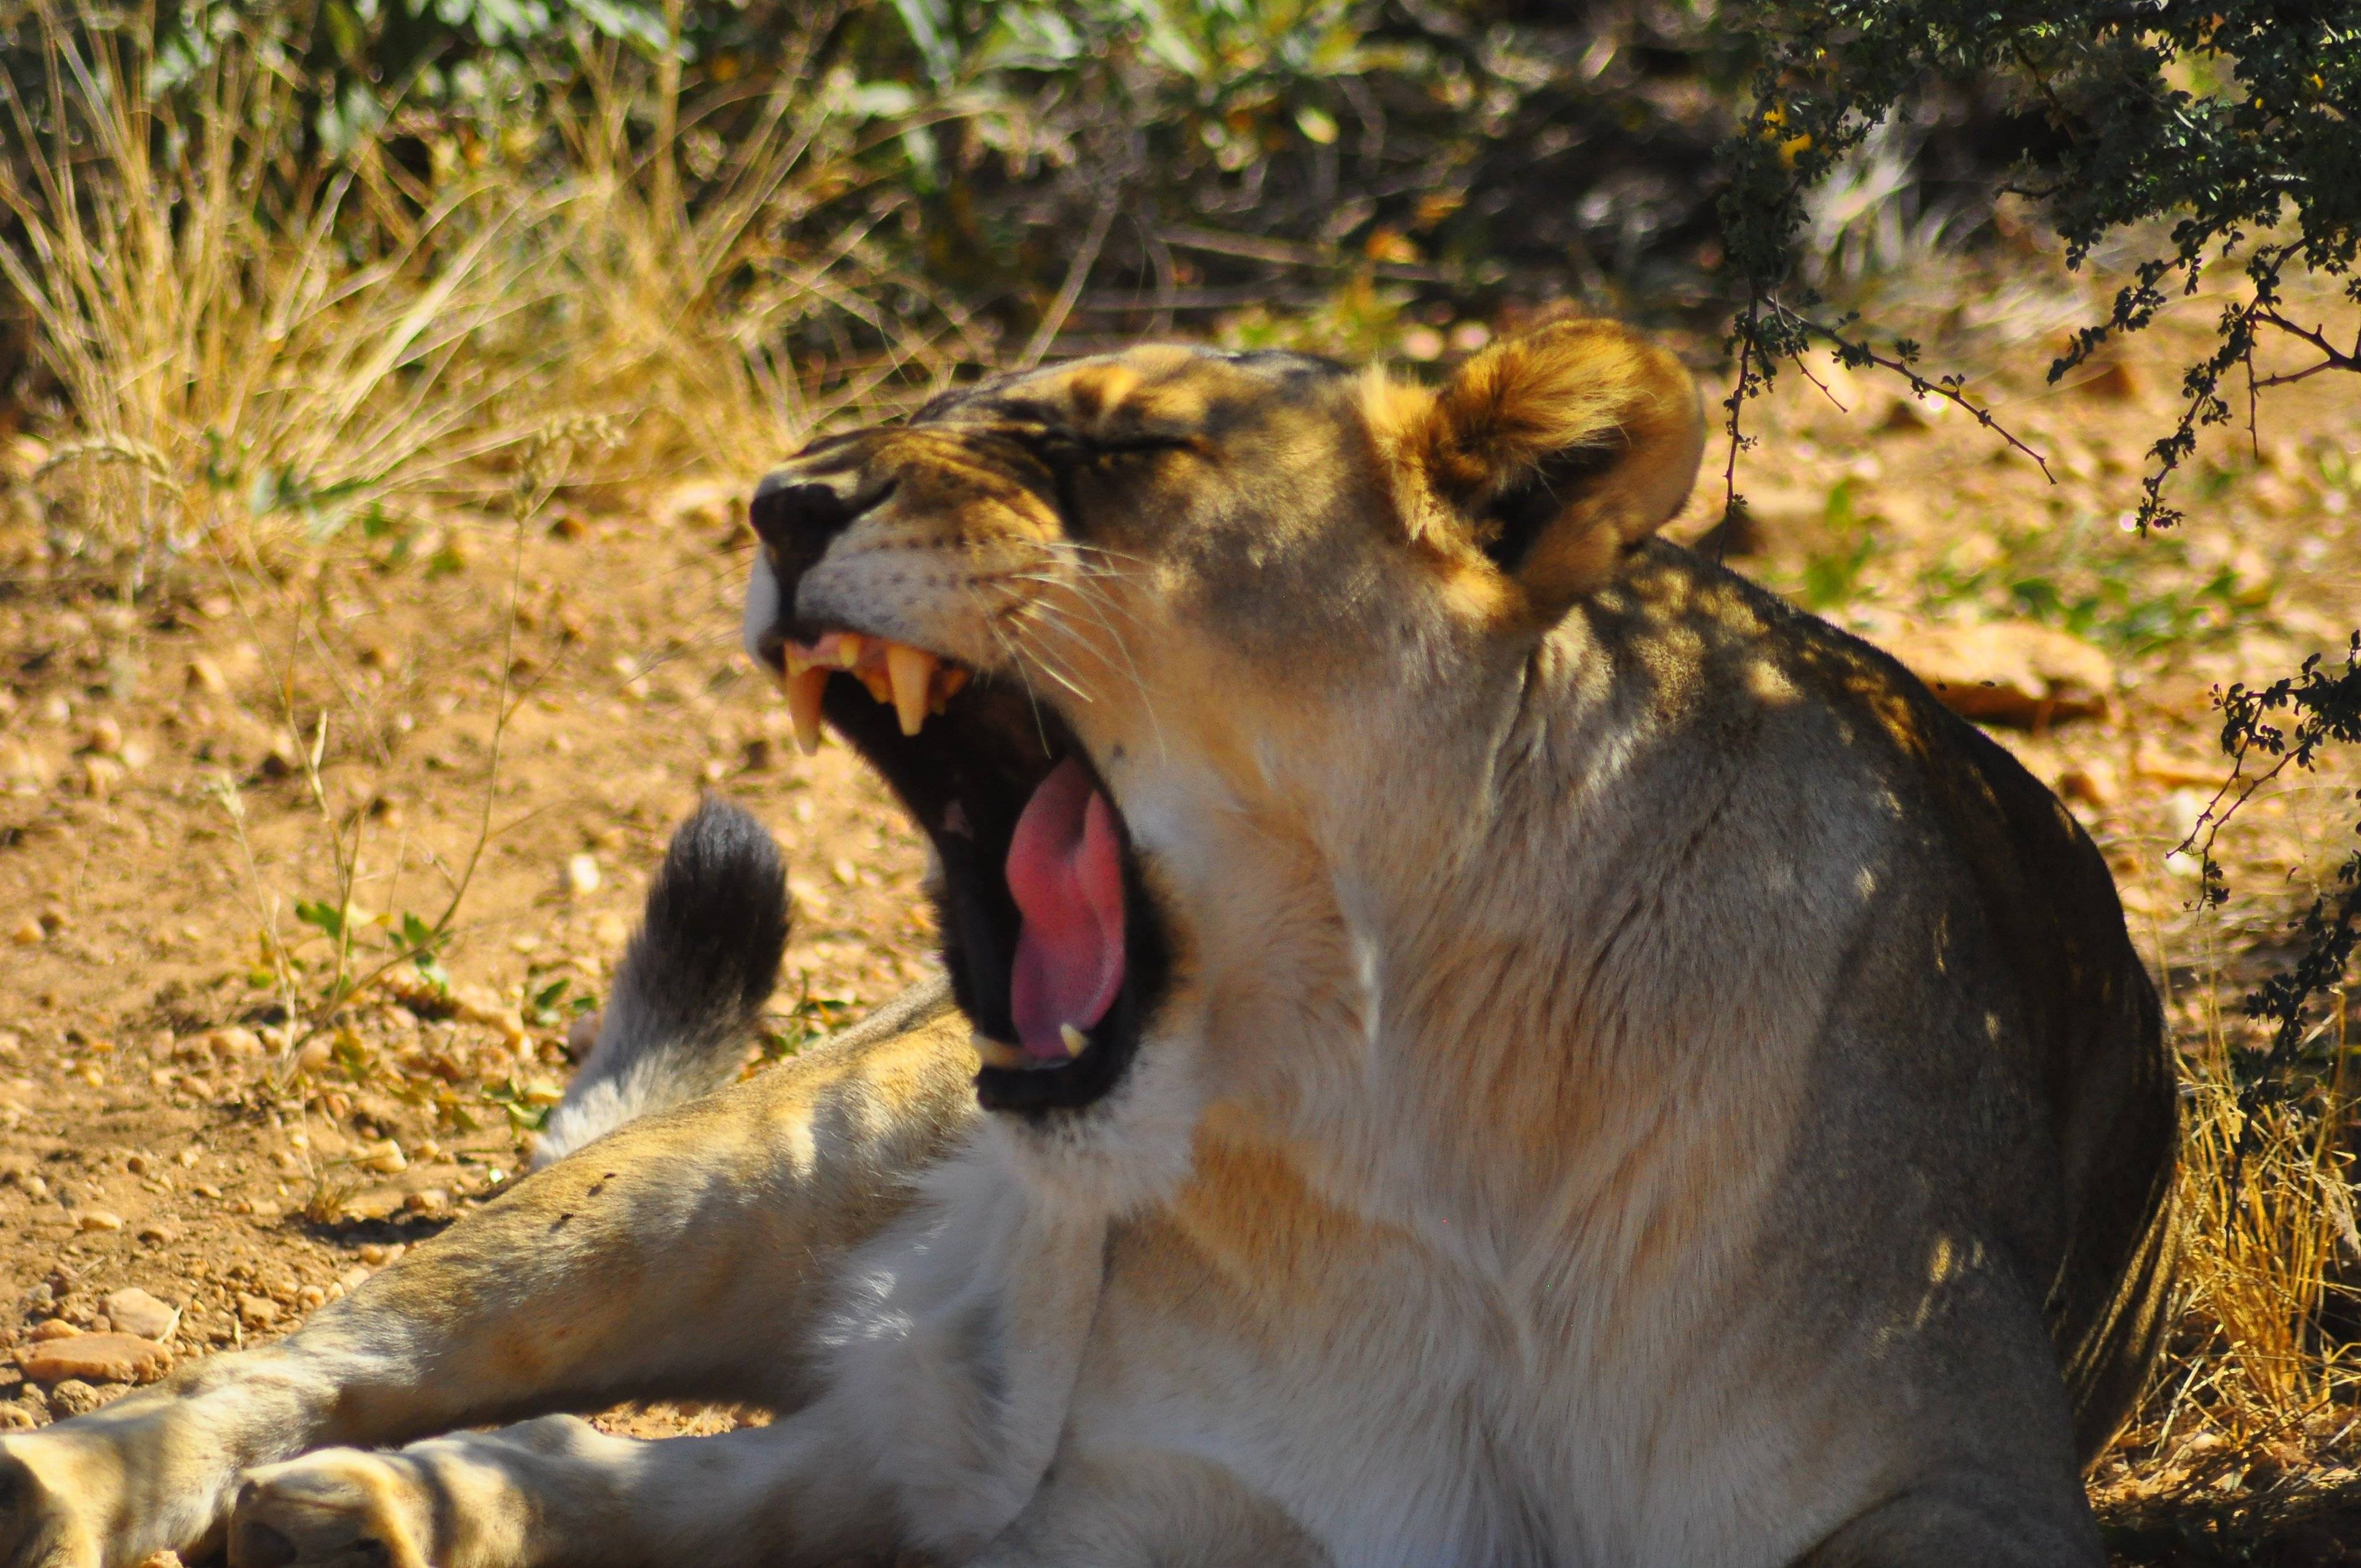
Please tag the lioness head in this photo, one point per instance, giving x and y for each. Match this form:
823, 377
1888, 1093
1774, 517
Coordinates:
1151, 644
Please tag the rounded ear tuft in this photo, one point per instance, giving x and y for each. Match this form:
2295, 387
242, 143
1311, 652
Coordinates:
1554, 452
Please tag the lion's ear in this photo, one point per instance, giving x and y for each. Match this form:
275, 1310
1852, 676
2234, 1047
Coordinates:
1552, 452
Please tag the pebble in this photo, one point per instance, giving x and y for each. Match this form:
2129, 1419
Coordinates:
205, 676
158, 1232
53, 1328
137, 1312
257, 1311
582, 875
75, 1398
98, 1219
27, 932
101, 1358
384, 1156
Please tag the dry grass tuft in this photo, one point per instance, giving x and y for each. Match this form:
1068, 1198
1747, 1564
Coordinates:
248, 351
257, 347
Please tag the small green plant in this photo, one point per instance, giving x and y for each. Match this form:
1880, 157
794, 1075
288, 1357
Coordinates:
811, 1018
1832, 572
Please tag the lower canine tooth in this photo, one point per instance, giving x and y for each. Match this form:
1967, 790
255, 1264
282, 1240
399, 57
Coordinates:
803, 689
909, 670
946, 683
1075, 1042
1009, 1059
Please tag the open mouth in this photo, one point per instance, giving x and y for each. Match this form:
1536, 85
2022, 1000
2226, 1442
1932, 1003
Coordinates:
1055, 950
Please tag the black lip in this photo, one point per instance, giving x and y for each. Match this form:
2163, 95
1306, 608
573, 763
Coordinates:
965, 778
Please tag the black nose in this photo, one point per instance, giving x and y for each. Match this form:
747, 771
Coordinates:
796, 515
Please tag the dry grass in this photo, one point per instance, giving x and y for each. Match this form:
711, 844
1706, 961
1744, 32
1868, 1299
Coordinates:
256, 348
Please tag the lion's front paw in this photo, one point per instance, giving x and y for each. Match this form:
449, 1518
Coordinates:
336, 1508
40, 1526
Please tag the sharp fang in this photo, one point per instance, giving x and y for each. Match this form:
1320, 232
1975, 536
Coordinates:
848, 648
948, 679
1075, 1042
909, 670
804, 688
881, 689
1007, 1058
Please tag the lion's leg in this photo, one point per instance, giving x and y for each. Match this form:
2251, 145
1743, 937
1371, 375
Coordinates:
1146, 1509
559, 1492
674, 1258
1960, 1521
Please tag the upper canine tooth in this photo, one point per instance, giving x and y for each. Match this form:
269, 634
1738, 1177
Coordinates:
804, 688
909, 670
1009, 1059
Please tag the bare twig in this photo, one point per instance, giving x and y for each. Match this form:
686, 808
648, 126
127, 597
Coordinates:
1078, 273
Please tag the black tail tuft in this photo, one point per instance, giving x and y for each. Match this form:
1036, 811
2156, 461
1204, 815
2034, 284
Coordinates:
691, 985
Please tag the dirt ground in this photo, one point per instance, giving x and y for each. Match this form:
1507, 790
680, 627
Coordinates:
162, 1124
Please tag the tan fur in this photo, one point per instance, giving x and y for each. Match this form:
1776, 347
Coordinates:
1640, 1084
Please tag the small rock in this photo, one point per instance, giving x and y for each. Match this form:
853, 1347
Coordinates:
470, 1005
158, 1232
257, 1311
101, 1358
582, 875
2016, 673
15, 1417
102, 776
427, 1201
137, 1312
75, 1398
29, 932
106, 735
383, 1157
49, 1329
205, 676
2114, 382
98, 1219
1905, 414
2090, 783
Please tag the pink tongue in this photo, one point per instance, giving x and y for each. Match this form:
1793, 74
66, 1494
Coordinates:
1065, 870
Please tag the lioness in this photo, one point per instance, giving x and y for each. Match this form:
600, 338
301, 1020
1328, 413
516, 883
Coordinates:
1480, 1037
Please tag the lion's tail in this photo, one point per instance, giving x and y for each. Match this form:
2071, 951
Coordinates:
691, 983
